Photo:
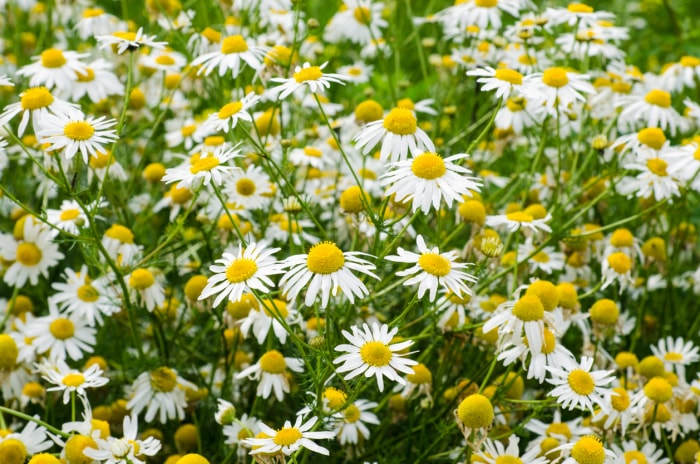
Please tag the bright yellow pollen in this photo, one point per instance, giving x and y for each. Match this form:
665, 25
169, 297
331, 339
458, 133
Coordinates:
273, 362
211, 35
141, 279
88, 293
335, 398
588, 450
12, 451
559, 428
245, 186
555, 77
287, 436
636, 457
312, 73
125, 35
165, 60
605, 312
520, 216
579, 8
658, 389
120, 233
325, 258
546, 291
234, 44
93, 12
73, 380
581, 382
186, 131
528, 308
78, 130
44, 458
376, 354
689, 61
62, 328
475, 411
659, 98
421, 375
229, 110
622, 238
435, 264
653, 137
657, 166
241, 270
8, 352
621, 401
351, 200
28, 254
362, 15
52, 58
179, 195
313, 152
69, 214
400, 121
620, 262
486, 3
428, 166
672, 356
89, 75
509, 75
204, 164
36, 98
74, 449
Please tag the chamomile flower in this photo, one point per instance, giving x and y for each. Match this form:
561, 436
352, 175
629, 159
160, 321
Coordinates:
520, 220
36, 104
327, 270
504, 81
428, 178
557, 87
250, 189
676, 354
647, 453
230, 114
577, 14
161, 392
265, 316
126, 450
371, 353
357, 73
87, 298
350, 424
164, 60
32, 256
432, 269
241, 429
119, 243
289, 438
95, 21
586, 450
494, 452
77, 133
54, 68
125, 41
71, 381
60, 336
652, 109
16, 447
311, 76
68, 217
653, 178
617, 267
359, 22
234, 53
271, 373
203, 168
576, 385
241, 272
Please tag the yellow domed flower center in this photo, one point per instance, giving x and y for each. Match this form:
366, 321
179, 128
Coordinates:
12, 451
234, 44
273, 362
516, 104
62, 328
355, 71
93, 12
312, 73
509, 75
36, 98
635, 456
434, 264
541, 257
519, 216
621, 401
245, 186
507, 459
8, 352
581, 382
555, 77
120, 233
73, 380
486, 3
88, 293
275, 307
376, 354
588, 450
325, 258
335, 398
549, 343
141, 279
659, 98
74, 449
69, 214
78, 130
672, 356
362, 15
689, 61
229, 110
528, 308
28, 254
313, 152
211, 35
287, 436
622, 238
421, 375
658, 389
203, 164
620, 262
475, 411
241, 270
527, 60
657, 166
653, 137
428, 166
125, 35
559, 428
186, 131
52, 58
89, 75
165, 60
579, 8
163, 379
180, 195
352, 414
400, 121
44, 458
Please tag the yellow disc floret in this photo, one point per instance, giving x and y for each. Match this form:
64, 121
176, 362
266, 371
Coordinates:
400, 121
428, 166
273, 362
588, 450
475, 412
325, 258
376, 354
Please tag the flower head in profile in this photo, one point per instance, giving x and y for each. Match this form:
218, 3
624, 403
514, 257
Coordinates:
234, 53
289, 438
312, 77
272, 373
203, 168
71, 381
125, 41
128, 449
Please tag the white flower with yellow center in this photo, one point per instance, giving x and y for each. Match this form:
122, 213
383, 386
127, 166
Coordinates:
267, 315
61, 336
495, 453
643, 453
520, 220
94, 21
126, 450
350, 423
164, 60
290, 438
76, 132
124, 41
398, 133
312, 77
229, 115
652, 109
586, 450
143, 283
428, 178
371, 353
32, 256
271, 373
577, 13
557, 88
234, 52
357, 73
84, 297
327, 270
54, 68
576, 385
432, 269
36, 104
654, 178
504, 81
68, 217
250, 189
237, 273
203, 168
71, 381
161, 392
16, 447
119, 243
676, 354
617, 267
358, 22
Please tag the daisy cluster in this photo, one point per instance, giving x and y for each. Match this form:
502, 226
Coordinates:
270, 230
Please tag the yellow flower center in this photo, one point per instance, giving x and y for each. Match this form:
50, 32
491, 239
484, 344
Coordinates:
659, 98
527, 60
486, 3
622, 238
549, 343
376, 354
653, 137
125, 35
434, 264
335, 398
275, 308
325, 258
555, 77
672, 356
351, 199
241, 270
120, 233
273, 362
165, 60
421, 375
657, 166
605, 312
620, 262
234, 44
516, 104
88, 293
541, 257
93, 12
658, 389
519, 216
368, 111
312, 73
180, 195
73, 380
559, 428
588, 450
12, 451
62, 328
546, 291
579, 8
229, 110
28, 254
428, 166
245, 186
100, 160
355, 71
44, 458
621, 401
141, 279
287, 436
8, 352
581, 382
400, 121
689, 61
203, 164
36, 98
507, 459
528, 308
52, 58
362, 14
74, 449
89, 75
163, 379
475, 411
69, 214
78, 130
635, 456
509, 75
352, 414
186, 131
313, 152
211, 35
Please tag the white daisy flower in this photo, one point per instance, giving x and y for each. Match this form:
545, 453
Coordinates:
36, 104
504, 81
71, 381
371, 353
241, 429
261, 320
576, 385
647, 452
126, 450
129, 41
586, 450
432, 269
327, 270
311, 76
31, 256
676, 354
359, 22
33, 439
271, 373
350, 423
95, 21
494, 452
557, 86
68, 217
237, 273
75, 132
357, 73
54, 68
428, 178
652, 109
161, 392
119, 243
234, 50
164, 60
89, 299
577, 14
290, 438
617, 267
228, 116
61, 336
250, 189
519, 220
653, 178
146, 287
203, 168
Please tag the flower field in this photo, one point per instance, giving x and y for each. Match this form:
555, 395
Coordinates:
298, 231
